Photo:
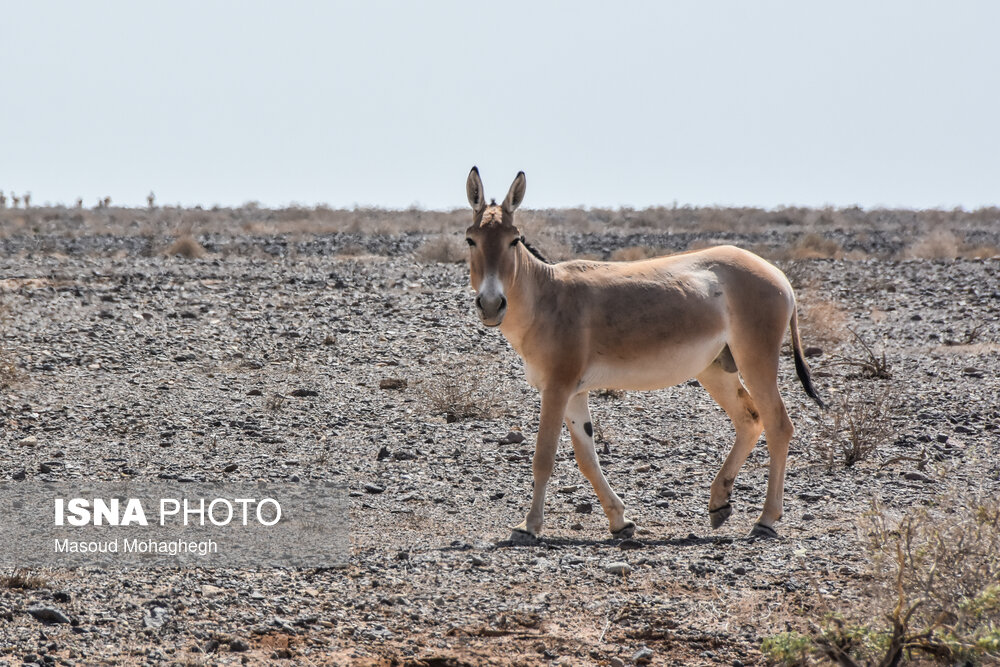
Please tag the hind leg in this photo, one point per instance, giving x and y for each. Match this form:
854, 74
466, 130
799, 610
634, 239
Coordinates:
727, 390
761, 377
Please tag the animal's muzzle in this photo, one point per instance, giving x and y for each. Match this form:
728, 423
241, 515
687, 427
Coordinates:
491, 308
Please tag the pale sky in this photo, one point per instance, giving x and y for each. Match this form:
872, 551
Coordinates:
613, 104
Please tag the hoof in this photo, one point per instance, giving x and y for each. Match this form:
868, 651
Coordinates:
760, 531
719, 515
522, 537
626, 532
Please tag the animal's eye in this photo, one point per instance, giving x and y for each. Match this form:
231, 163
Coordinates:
472, 244
514, 242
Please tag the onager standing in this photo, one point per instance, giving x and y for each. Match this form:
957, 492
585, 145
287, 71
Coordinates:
715, 314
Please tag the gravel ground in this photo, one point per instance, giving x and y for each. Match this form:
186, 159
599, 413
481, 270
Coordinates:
135, 365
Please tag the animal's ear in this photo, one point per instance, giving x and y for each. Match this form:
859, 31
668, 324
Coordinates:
474, 190
515, 195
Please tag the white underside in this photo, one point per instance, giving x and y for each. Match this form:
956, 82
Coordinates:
656, 369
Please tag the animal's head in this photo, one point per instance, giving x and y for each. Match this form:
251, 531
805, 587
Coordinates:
493, 239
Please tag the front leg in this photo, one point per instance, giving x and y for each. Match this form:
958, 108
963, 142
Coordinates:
581, 429
550, 424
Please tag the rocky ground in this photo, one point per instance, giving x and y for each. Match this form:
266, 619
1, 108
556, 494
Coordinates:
125, 363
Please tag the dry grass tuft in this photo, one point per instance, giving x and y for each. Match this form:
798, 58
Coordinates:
9, 374
945, 244
185, 246
855, 427
476, 390
823, 322
814, 246
442, 249
22, 578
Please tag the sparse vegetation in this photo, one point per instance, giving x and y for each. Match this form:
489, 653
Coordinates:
857, 425
23, 578
945, 244
864, 359
458, 394
186, 246
442, 249
823, 322
9, 374
814, 246
934, 597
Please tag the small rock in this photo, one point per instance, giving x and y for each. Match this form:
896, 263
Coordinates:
209, 590
568, 489
973, 372
44, 468
383, 453
583, 508
330, 340
477, 561
915, 476
941, 437
255, 392
48, 615
302, 393
643, 656
576, 526
811, 352
644, 468
230, 468
238, 646
739, 570
404, 455
19, 475
29, 441
618, 567
392, 383
616, 662
512, 438
156, 617
373, 488
631, 545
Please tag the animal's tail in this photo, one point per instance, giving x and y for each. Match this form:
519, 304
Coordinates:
801, 367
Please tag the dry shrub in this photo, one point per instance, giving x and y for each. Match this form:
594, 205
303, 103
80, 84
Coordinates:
856, 425
475, 390
934, 597
9, 374
938, 244
945, 244
442, 249
23, 579
814, 246
863, 358
823, 322
185, 246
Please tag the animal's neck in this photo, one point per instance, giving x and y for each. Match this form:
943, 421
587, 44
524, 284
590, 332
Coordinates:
531, 278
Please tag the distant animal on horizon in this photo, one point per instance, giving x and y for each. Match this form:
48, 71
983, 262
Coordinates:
716, 314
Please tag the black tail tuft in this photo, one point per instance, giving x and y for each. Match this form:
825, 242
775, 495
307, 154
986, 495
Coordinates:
802, 370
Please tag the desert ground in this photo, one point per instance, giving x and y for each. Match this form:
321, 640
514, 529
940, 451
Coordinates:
169, 344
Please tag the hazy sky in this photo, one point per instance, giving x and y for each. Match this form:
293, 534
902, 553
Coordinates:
600, 103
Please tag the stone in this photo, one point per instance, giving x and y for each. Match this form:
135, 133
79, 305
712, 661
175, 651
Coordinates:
643, 656
48, 615
394, 384
618, 567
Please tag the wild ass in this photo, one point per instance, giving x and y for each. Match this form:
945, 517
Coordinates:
714, 314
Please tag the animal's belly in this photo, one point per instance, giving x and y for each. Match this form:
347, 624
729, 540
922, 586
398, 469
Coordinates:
653, 370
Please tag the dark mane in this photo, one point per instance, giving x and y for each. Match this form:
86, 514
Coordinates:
533, 251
